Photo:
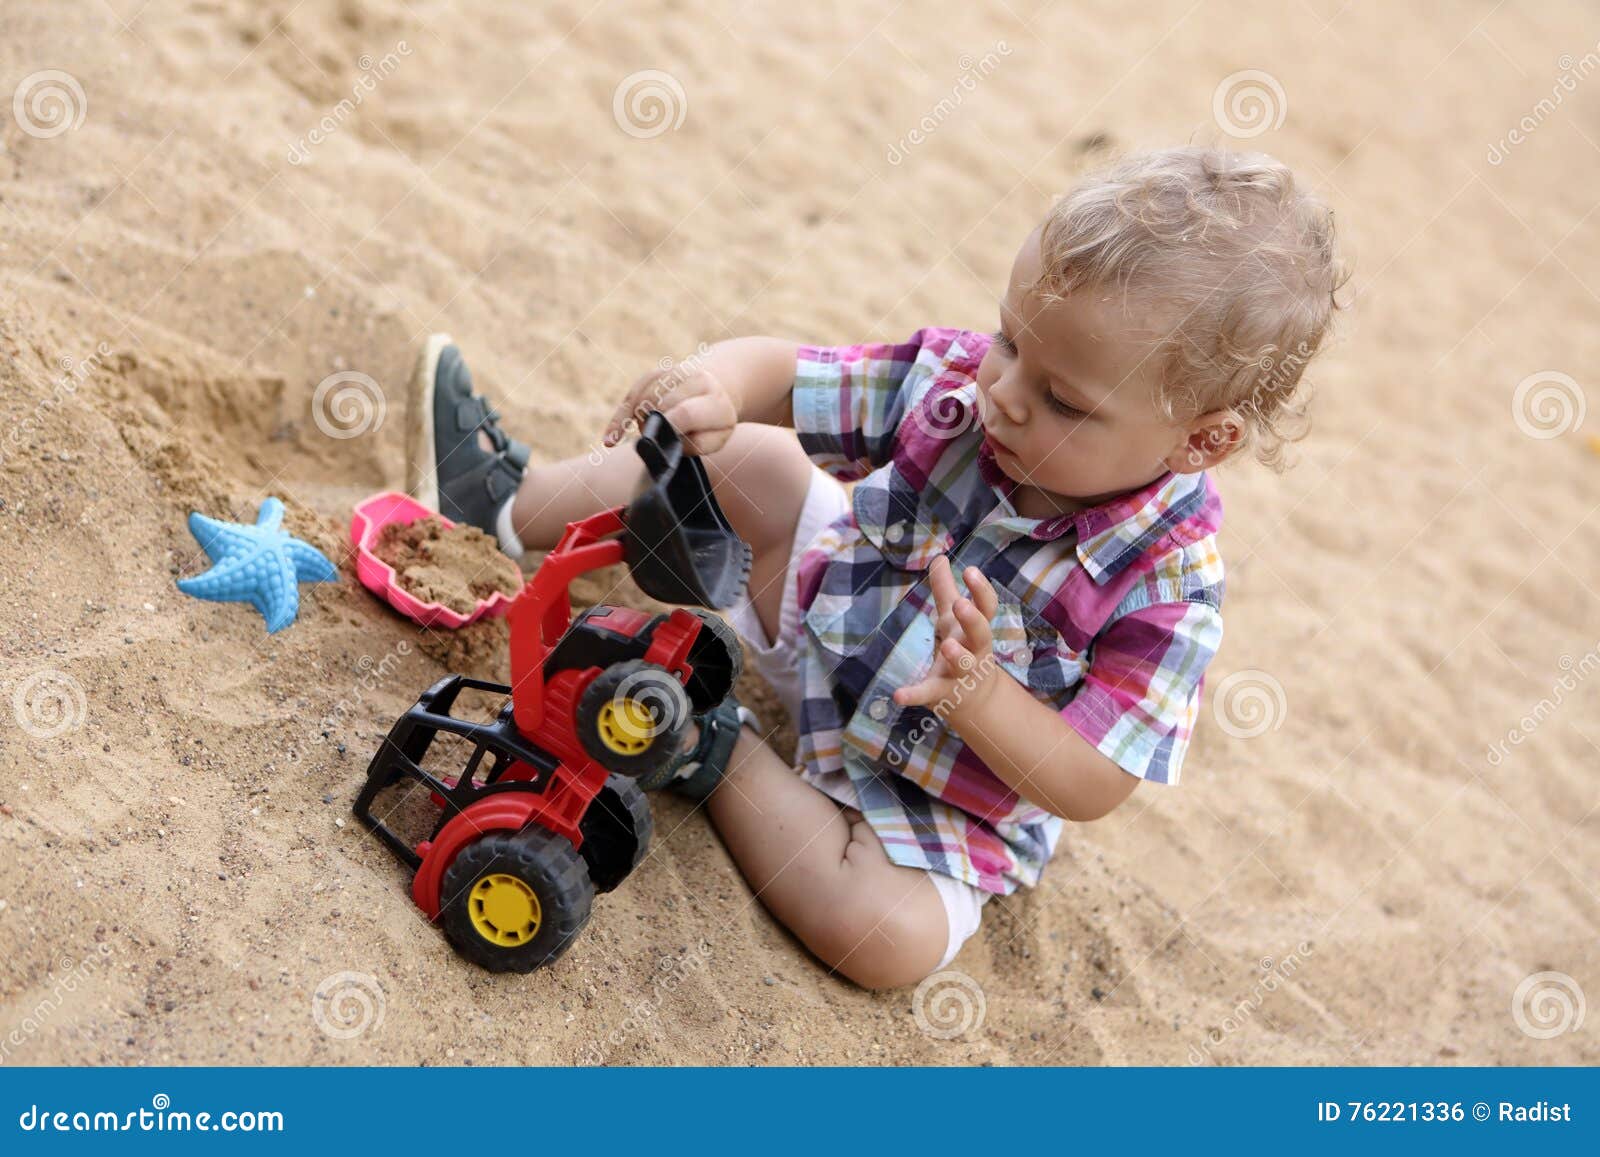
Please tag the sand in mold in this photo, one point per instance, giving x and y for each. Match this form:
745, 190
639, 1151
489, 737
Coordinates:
453, 566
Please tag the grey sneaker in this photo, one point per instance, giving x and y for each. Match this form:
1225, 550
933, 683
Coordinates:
450, 469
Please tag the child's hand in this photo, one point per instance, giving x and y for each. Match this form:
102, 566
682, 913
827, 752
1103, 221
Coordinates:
699, 404
964, 670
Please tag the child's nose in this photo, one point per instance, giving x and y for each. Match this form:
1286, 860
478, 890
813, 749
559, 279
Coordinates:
1006, 398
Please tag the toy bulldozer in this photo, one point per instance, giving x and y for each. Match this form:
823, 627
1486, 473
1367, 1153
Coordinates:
549, 807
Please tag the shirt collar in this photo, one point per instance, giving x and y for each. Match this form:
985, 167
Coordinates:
1184, 507
1116, 532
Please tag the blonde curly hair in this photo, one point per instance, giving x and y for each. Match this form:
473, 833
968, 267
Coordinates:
1239, 257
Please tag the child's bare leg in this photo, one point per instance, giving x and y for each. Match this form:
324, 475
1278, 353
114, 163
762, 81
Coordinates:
760, 479
556, 493
826, 878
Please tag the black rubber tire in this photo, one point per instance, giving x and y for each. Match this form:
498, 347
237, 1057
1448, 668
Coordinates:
647, 683
544, 861
717, 658
616, 832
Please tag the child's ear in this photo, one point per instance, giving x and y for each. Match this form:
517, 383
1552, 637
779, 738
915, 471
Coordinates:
1210, 438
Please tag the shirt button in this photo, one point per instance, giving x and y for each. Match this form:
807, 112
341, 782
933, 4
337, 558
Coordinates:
878, 709
896, 532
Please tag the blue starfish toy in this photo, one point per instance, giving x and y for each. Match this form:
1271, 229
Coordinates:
262, 565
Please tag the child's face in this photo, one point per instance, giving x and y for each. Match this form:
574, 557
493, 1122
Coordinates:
1069, 397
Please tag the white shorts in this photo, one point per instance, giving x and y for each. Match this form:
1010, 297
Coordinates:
778, 661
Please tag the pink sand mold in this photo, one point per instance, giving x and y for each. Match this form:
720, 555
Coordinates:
370, 516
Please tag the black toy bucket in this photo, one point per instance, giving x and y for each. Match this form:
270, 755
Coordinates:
676, 540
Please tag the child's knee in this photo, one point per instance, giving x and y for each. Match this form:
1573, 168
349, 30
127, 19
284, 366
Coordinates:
883, 948
761, 478
879, 966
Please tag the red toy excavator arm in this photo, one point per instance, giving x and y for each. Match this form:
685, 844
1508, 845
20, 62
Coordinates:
540, 615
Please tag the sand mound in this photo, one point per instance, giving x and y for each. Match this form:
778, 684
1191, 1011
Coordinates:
214, 284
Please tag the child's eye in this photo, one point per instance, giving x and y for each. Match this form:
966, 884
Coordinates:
1006, 345
1062, 408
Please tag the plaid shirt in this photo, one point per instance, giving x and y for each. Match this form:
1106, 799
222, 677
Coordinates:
1109, 615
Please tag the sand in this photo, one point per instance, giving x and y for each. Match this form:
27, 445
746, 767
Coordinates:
450, 566
213, 287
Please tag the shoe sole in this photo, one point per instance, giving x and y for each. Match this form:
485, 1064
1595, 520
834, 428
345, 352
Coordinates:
423, 471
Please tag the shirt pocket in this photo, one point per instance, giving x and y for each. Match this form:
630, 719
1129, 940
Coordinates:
895, 518
855, 595
1030, 649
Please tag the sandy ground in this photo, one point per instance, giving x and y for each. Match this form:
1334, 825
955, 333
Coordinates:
197, 233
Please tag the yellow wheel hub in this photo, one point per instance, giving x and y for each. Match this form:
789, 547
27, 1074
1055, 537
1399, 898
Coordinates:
626, 726
504, 910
